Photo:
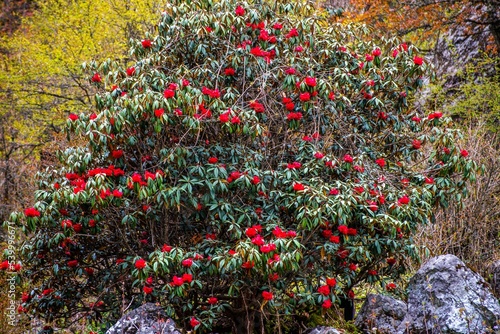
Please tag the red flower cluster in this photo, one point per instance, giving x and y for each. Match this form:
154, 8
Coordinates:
31, 212
213, 93
294, 116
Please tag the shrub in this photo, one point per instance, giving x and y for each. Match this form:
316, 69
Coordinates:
254, 161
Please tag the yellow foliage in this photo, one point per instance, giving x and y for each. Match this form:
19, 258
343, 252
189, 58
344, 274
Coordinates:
40, 78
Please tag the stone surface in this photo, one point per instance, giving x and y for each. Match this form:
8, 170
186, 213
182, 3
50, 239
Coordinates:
322, 330
445, 296
380, 314
459, 46
147, 319
494, 272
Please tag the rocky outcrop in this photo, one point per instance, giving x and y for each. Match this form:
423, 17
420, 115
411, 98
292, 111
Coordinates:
445, 296
147, 319
381, 314
322, 330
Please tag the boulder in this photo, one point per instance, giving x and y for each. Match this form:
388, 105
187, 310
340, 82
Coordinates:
146, 319
380, 314
322, 330
445, 296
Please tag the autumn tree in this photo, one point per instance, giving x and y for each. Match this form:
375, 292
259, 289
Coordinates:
252, 163
423, 21
41, 81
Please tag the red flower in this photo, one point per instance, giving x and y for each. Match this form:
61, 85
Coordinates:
146, 43
416, 144
343, 229
140, 264
224, 118
229, 71
25, 297
187, 262
324, 290
372, 272
130, 71
248, 265
32, 212
304, 97
429, 180
66, 224
213, 160
298, 186
168, 93
334, 192
277, 26
239, 11
376, 52
353, 267
258, 240
193, 322
159, 112
117, 154
464, 153
73, 117
318, 155
331, 282
335, 239
310, 81
251, 232
380, 162
117, 193
187, 278
47, 292
294, 165
267, 295
255, 180
4, 265
327, 304
292, 33
176, 281
395, 53
404, 200
96, 77
368, 57
391, 261
390, 286
72, 263
257, 107
235, 120
147, 290
212, 300
290, 71
348, 159
77, 228
93, 116
418, 60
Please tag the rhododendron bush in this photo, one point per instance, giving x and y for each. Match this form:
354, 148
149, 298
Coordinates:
250, 161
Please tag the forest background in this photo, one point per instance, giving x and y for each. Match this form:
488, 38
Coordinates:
44, 43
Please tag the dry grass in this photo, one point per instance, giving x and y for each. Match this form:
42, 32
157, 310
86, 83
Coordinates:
473, 233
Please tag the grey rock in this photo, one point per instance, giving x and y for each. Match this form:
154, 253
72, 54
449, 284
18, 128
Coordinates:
494, 272
445, 296
459, 46
381, 314
146, 319
322, 330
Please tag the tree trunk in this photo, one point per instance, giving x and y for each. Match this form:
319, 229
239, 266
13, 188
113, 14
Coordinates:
244, 322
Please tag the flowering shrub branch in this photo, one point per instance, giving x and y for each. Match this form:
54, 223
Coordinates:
253, 158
